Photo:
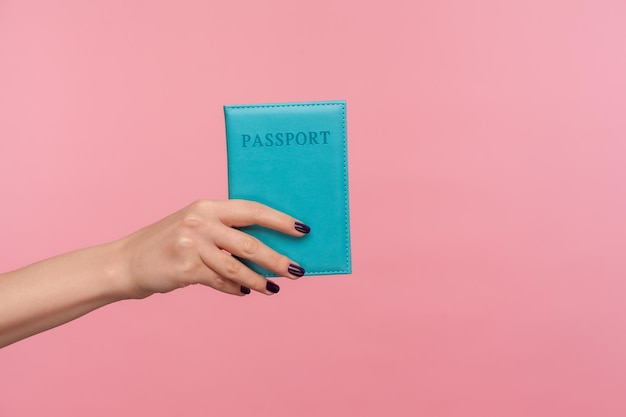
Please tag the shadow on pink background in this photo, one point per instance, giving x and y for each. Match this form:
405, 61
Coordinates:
488, 192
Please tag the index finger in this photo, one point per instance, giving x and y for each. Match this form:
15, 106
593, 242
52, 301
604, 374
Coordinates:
239, 213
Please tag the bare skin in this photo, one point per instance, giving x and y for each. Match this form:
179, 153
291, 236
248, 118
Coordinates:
191, 246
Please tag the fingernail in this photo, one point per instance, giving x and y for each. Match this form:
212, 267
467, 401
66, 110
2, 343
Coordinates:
271, 287
245, 290
301, 227
295, 270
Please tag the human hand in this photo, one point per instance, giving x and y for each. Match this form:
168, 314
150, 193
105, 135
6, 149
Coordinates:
194, 246
191, 246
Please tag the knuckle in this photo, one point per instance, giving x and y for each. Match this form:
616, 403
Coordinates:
232, 268
184, 251
187, 266
201, 206
191, 220
249, 246
219, 282
184, 242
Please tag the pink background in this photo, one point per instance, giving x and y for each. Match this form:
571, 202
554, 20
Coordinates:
488, 194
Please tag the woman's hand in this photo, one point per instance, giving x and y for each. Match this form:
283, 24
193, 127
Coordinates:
194, 246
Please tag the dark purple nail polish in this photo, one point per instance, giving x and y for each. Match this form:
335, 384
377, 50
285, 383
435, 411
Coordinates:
301, 227
271, 287
245, 290
295, 270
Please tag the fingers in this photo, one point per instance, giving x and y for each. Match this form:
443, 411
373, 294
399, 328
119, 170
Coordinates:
230, 270
245, 246
212, 223
226, 285
240, 213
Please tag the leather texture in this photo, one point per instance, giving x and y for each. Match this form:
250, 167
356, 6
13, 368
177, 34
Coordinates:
293, 157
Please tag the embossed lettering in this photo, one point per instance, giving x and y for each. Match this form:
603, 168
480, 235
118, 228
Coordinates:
266, 140
301, 138
289, 137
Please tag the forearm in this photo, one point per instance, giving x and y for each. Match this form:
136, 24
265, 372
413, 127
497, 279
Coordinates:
57, 290
192, 246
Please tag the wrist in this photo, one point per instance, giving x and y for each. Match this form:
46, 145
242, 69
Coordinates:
117, 283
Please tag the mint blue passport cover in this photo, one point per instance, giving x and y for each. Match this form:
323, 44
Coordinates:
293, 157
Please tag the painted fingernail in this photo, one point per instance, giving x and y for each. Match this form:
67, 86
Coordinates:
245, 290
295, 270
271, 287
301, 227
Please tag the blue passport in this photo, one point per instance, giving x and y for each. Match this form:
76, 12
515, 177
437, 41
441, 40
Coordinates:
294, 157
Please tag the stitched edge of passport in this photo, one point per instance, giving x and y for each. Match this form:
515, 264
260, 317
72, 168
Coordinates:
345, 175
260, 106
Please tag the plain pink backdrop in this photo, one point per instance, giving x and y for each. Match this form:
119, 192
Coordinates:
488, 194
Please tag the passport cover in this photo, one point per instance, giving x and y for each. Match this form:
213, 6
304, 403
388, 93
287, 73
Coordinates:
293, 157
